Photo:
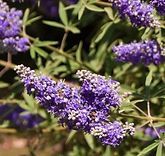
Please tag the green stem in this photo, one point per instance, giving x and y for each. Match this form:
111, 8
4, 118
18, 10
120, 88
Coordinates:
151, 120
139, 110
143, 117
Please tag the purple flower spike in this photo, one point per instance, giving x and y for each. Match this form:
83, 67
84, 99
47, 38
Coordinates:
75, 108
145, 52
139, 14
111, 133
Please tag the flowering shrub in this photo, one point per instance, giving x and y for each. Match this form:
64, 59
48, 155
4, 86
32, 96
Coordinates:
74, 46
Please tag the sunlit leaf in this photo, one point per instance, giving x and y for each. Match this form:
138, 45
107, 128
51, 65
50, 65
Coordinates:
78, 52
54, 24
3, 84
159, 151
73, 29
89, 139
71, 135
94, 8
26, 15
81, 11
63, 14
148, 149
149, 78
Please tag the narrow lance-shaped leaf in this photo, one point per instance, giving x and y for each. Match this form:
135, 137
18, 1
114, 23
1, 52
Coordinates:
45, 43
148, 149
103, 31
71, 135
107, 151
78, 52
94, 8
149, 78
41, 52
82, 9
26, 15
29, 100
54, 24
32, 20
32, 53
89, 139
109, 12
73, 29
3, 84
63, 14
159, 151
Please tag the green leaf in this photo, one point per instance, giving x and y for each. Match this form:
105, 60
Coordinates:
159, 150
103, 31
73, 29
54, 24
109, 12
42, 113
40, 52
26, 15
107, 151
32, 20
99, 59
32, 53
5, 124
89, 139
29, 100
63, 14
94, 8
60, 69
148, 149
70, 7
45, 43
78, 51
80, 13
3, 84
147, 33
149, 78
25, 106
71, 135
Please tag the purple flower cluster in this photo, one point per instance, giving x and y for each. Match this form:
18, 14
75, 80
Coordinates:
85, 108
140, 14
10, 28
15, 115
145, 52
159, 5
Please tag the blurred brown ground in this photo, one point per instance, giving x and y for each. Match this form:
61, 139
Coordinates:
19, 146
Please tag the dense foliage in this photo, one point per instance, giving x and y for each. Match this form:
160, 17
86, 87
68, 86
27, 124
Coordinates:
90, 73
